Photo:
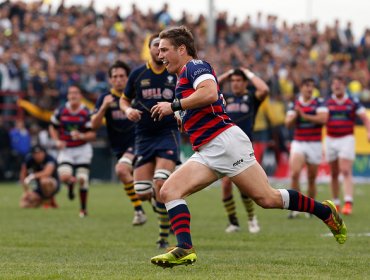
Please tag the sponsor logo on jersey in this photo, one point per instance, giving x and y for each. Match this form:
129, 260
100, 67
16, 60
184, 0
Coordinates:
145, 82
167, 93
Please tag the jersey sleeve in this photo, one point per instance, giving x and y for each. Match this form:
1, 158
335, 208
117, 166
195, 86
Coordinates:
55, 118
291, 110
99, 103
129, 92
321, 107
88, 124
28, 161
50, 160
359, 108
199, 71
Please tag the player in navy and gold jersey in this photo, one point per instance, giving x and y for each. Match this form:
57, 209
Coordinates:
242, 103
156, 142
340, 141
221, 149
307, 114
41, 168
71, 130
120, 133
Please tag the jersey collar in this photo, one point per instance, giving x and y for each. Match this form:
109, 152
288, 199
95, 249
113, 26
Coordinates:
149, 66
340, 101
116, 92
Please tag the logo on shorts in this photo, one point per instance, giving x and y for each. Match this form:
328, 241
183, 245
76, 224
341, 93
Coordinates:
251, 155
238, 162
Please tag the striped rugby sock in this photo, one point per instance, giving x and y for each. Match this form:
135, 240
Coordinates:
229, 205
302, 203
180, 221
130, 191
163, 221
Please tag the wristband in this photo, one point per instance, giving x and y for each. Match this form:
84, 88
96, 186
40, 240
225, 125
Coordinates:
250, 75
176, 105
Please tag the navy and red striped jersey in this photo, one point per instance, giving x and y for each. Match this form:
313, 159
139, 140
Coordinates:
205, 123
306, 130
66, 121
342, 115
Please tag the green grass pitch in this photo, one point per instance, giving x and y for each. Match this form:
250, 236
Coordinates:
57, 244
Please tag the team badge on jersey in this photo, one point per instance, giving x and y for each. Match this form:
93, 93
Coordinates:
145, 83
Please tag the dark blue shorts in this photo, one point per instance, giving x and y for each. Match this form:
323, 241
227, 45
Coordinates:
126, 145
119, 154
39, 191
166, 145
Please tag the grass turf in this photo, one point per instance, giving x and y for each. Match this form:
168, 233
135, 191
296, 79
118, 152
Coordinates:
57, 244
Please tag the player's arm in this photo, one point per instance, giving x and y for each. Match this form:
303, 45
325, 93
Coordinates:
46, 172
22, 177
206, 93
224, 76
87, 136
321, 116
101, 108
262, 89
366, 121
55, 136
290, 118
132, 114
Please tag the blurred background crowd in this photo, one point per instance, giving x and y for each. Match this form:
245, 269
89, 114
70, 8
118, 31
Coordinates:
44, 50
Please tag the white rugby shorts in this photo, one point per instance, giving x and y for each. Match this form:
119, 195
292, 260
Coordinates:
76, 155
340, 147
228, 154
312, 150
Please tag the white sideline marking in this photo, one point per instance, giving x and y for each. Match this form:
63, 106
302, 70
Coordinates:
363, 234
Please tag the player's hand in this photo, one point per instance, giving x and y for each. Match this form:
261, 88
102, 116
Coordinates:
299, 111
107, 101
179, 123
133, 115
76, 135
161, 110
60, 144
28, 179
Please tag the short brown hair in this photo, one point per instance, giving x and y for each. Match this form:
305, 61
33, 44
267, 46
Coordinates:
180, 35
119, 64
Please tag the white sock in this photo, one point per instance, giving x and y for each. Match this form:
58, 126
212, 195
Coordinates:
285, 197
173, 203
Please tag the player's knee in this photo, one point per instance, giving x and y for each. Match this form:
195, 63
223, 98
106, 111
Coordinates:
65, 172
123, 171
346, 172
144, 189
167, 193
82, 175
295, 174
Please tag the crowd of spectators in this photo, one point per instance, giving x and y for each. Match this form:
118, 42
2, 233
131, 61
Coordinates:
43, 50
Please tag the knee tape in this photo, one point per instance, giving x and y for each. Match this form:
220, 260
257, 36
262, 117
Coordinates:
65, 169
125, 160
83, 174
143, 187
161, 174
